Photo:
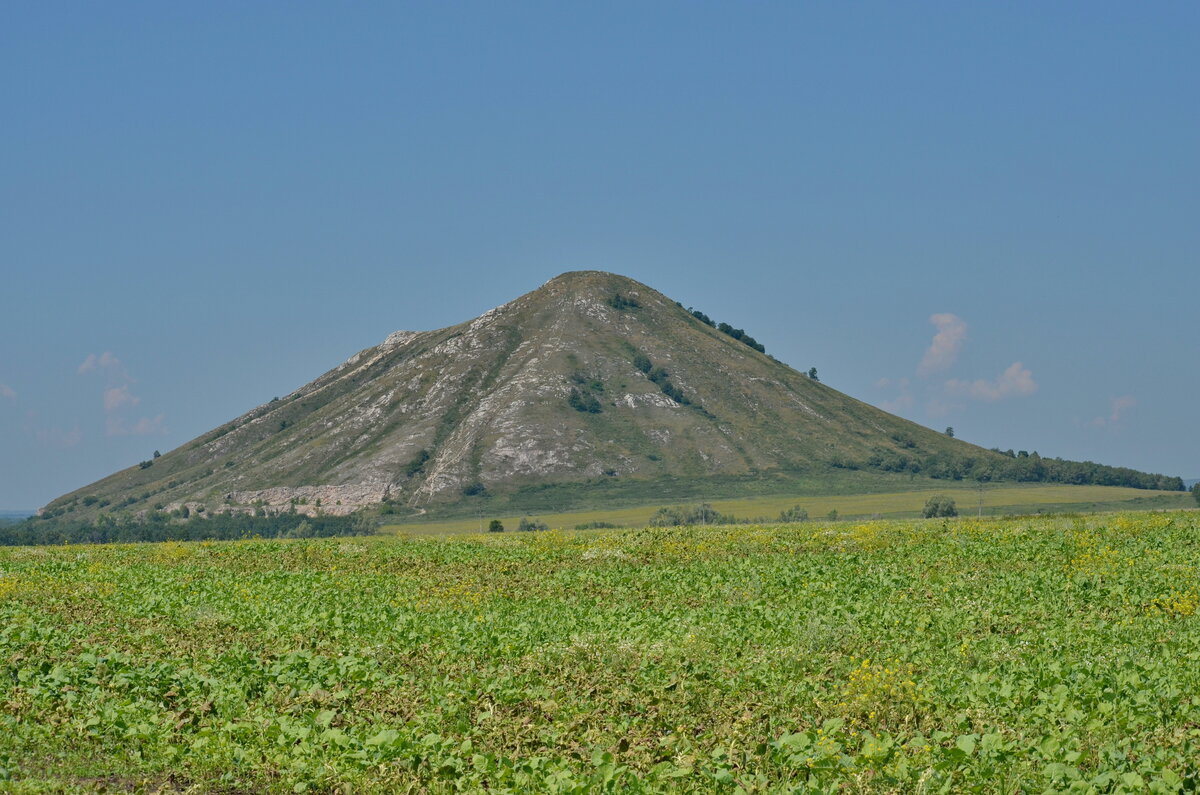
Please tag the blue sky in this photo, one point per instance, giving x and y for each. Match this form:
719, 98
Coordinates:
978, 215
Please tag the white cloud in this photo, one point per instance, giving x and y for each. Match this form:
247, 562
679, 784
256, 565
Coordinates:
1118, 406
1016, 381
939, 408
146, 426
7, 391
947, 342
57, 437
901, 403
945, 397
105, 361
119, 396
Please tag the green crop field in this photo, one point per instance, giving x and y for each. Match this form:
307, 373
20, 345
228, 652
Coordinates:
983, 655
993, 500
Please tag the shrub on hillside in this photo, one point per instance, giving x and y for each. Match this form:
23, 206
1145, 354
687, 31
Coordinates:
674, 392
417, 464
741, 336
581, 401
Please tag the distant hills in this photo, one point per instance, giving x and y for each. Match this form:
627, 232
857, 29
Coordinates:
592, 387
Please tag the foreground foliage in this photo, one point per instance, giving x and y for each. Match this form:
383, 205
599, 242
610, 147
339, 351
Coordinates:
948, 655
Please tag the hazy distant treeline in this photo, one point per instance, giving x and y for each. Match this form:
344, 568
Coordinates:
162, 527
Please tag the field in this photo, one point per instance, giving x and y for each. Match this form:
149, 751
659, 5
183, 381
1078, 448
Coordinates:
990, 655
993, 500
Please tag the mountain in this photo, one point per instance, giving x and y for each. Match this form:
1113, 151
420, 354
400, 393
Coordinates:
593, 383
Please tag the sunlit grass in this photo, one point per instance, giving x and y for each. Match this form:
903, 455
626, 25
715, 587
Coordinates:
992, 500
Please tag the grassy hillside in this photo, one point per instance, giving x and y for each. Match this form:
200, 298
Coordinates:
1036, 655
592, 386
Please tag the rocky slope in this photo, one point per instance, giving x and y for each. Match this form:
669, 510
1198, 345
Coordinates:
591, 378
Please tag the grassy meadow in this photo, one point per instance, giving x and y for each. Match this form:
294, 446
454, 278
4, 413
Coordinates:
993, 500
1035, 654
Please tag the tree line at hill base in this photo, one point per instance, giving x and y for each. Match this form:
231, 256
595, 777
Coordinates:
1019, 467
158, 526
109, 528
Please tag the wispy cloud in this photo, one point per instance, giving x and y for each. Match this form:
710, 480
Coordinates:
118, 397
1120, 405
1117, 407
1016, 381
146, 426
947, 342
57, 437
941, 398
899, 405
7, 391
105, 361
903, 399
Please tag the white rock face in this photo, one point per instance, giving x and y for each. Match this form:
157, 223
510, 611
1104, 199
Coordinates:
655, 399
333, 500
398, 338
425, 416
660, 435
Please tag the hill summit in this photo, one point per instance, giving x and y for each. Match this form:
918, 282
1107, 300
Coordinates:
592, 381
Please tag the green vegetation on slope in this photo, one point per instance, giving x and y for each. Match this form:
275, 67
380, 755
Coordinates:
949, 655
591, 377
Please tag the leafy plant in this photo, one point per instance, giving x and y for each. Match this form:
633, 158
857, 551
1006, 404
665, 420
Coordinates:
1033, 654
702, 514
939, 505
620, 302
417, 463
794, 514
582, 401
